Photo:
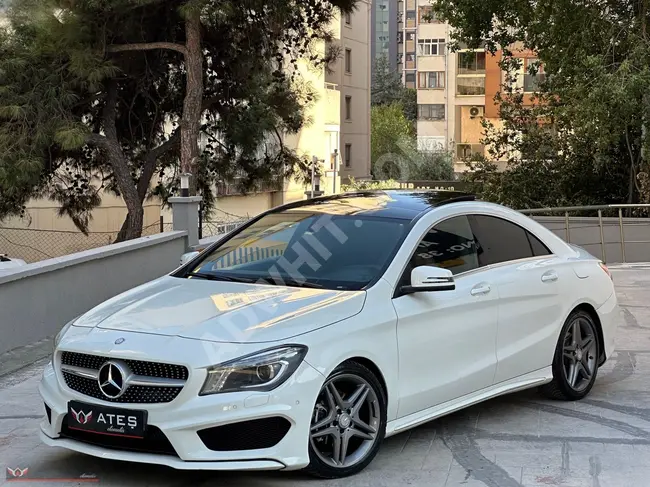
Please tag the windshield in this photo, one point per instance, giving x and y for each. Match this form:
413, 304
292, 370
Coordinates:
306, 249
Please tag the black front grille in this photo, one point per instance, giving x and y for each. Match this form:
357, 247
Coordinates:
154, 440
134, 394
246, 435
138, 367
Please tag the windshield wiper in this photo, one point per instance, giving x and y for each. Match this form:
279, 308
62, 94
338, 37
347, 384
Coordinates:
218, 277
290, 282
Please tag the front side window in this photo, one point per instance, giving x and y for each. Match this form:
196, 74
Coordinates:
305, 248
501, 241
450, 244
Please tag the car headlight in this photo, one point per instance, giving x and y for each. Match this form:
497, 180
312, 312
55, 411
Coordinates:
63, 331
262, 371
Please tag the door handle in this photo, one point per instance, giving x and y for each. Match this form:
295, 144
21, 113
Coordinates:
550, 276
480, 289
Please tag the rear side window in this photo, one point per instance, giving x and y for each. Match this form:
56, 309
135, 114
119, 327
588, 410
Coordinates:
499, 240
536, 244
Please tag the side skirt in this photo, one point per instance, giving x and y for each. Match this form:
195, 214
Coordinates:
527, 381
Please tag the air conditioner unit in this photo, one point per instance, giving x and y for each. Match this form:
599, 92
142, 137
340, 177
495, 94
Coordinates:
475, 112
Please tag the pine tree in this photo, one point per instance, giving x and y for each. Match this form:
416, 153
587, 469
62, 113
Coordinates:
104, 94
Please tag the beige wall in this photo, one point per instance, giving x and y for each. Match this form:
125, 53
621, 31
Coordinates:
42, 214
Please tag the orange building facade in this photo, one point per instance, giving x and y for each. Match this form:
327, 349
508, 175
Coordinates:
495, 77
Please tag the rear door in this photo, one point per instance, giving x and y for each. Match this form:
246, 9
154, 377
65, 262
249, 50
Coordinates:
530, 282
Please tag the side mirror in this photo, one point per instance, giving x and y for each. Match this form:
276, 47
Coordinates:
429, 278
185, 258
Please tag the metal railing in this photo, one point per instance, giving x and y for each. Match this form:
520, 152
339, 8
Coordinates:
602, 224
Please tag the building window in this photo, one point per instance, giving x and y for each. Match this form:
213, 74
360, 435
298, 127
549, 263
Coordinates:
470, 62
348, 107
410, 36
431, 112
409, 80
431, 80
411, 17
470, 86
523, 79
431, 47
348, 18
348, 60
532, 81
426, 15
465, 151
348, 155
410, 60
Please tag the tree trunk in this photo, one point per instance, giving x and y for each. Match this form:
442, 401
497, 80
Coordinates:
191, 118
110, 144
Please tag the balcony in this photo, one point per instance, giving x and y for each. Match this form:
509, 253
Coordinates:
466, 151
470, 85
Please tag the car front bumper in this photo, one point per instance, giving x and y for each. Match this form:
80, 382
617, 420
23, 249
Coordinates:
181, 419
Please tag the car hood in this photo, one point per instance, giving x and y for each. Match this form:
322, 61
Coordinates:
223, 311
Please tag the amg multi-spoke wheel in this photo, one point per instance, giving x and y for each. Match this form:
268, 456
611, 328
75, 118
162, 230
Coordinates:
348, 422
576, 359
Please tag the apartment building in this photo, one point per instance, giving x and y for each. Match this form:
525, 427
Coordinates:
350, 77
455, 90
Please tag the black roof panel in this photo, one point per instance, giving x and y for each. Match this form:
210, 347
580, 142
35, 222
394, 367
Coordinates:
405, 204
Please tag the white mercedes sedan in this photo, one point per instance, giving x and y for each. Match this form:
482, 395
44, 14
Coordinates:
319, 328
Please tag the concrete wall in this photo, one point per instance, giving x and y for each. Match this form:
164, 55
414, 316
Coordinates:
585, 232
37, 300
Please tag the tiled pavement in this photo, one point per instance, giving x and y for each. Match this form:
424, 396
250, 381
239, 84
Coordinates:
603, 441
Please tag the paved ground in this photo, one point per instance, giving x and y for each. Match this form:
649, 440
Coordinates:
603, 441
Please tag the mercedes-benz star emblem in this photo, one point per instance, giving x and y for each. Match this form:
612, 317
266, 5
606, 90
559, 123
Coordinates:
119, 341
111, 379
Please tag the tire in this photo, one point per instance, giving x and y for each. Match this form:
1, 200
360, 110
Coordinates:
356, 417
584, 356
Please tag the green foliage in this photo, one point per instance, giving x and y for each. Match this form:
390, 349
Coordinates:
365, 185
409, 101
389, 131
394, 152
387, 86
387, 89
597, 63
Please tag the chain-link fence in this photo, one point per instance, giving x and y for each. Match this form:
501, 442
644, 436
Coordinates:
219, 222
33, 245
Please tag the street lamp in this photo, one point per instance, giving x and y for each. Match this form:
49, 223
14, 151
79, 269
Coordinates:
185, 184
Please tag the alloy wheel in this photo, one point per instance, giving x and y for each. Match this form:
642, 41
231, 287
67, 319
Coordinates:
345, 421
579, 353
